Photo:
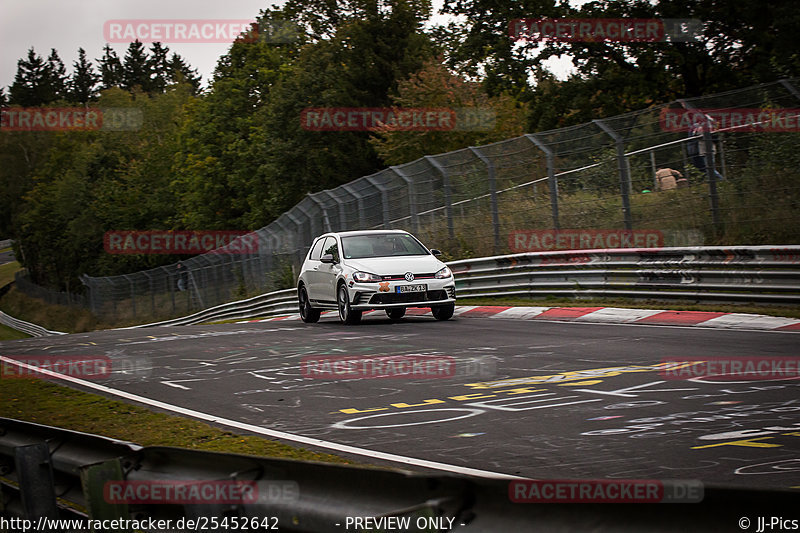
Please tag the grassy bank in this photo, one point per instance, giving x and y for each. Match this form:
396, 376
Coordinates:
48, 403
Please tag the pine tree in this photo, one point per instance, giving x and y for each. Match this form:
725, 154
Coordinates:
181, 71
30, 82
110, 69
159, 67
136, 68
82, 85
56, 77
3, 97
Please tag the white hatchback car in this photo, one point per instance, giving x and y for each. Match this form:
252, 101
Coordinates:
355, 271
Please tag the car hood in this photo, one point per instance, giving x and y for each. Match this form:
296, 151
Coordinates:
384, 266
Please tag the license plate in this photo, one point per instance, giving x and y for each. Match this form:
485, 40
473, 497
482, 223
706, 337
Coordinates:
411, 288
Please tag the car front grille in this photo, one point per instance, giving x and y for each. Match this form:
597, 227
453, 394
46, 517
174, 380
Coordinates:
408, 297
401, 277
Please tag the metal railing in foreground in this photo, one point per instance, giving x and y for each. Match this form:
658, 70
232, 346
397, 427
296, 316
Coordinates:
49, 474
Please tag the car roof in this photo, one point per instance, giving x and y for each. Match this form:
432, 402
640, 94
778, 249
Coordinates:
365, 232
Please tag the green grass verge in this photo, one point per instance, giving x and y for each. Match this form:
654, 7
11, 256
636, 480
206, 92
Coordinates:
7, 272
51, 404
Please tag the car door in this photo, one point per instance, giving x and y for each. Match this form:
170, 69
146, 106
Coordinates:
312, 273
327, 273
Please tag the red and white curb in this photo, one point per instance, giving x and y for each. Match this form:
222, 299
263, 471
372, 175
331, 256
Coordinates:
608, 315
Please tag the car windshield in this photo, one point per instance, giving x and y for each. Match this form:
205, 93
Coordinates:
381, 245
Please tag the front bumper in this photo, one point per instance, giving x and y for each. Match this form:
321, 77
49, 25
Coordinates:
365, 296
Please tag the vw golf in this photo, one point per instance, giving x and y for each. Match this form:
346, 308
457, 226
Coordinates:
355, 271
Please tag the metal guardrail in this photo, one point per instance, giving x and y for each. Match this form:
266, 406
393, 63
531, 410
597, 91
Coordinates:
26, 327
739, 273
277, 302
767, 274
48, 473
726, 274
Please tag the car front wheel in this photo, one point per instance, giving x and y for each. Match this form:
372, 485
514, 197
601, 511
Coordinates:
443, 312
346, 313
308, 314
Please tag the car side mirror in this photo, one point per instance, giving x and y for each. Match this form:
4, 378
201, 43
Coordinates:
327, 258
436, 252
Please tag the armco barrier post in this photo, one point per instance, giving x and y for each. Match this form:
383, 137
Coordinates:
93, 480
35, 476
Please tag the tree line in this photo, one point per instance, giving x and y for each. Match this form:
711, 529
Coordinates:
234, 155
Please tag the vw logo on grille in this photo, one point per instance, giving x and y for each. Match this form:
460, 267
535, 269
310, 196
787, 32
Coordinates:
409, 276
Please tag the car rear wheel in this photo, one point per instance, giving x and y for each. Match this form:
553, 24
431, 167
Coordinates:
308, 314
396, 313
443, 312
346, 313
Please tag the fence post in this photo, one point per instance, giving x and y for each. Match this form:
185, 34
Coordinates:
552, 181
624, 176
791, 88
91, 293
387, 224
653, 168
360, 201
298, 247
412, 198
133, 293
711, 173
152, 292
492, 194
448, 202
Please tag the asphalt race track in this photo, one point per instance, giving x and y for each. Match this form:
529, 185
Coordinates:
511, 402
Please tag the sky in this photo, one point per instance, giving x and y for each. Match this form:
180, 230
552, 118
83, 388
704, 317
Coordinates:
67, 25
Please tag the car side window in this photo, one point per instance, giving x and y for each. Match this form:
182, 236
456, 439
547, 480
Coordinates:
331, 247
316, 251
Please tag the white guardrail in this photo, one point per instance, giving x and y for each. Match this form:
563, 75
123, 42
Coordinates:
765, 274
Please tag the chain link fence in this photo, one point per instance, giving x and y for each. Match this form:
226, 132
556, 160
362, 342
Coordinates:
731, 187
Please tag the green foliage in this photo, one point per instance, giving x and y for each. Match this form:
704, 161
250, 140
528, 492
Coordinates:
236, 156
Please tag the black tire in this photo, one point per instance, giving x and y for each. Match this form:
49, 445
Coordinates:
443, 312
308, 314
346, 313
396, 313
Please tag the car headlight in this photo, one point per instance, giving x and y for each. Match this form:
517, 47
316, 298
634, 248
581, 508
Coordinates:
444, 273
366, 277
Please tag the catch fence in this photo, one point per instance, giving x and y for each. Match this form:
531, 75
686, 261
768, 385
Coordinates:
477, 201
